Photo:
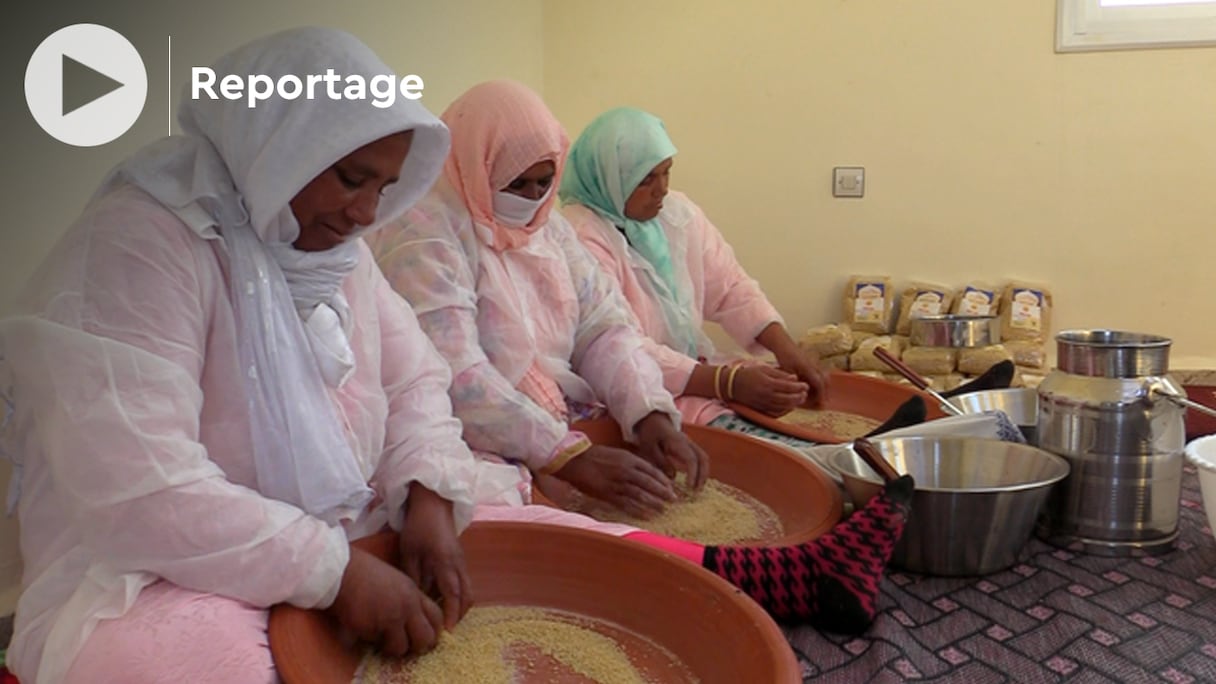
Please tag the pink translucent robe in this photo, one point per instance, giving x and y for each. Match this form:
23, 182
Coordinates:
705, 266
135, 441
493, 314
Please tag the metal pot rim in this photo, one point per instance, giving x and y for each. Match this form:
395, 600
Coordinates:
1006, 489
955, 317
1122, 339
847, 454
955, 330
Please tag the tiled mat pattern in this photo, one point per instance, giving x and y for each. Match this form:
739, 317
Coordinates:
1056, 616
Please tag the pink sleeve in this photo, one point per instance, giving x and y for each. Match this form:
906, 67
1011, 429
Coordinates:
422, 438
609, 352
626, 379
732, 298
110, 387
676, 367
435, 277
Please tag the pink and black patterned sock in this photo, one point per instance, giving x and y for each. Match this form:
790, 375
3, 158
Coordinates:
831, 582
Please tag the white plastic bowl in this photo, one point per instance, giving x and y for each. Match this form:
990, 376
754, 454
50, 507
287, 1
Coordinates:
1202, 452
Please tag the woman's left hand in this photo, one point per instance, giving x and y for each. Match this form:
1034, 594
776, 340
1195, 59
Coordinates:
661, 443
431, 554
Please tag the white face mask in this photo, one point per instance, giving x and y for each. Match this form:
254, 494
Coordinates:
514, 211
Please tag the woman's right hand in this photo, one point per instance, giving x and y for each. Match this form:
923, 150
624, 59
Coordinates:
383, 606
767, 389
619, 478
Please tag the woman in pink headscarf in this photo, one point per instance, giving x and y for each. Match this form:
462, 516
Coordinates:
537, 336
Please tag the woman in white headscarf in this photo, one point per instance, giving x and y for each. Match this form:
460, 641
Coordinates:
212, 389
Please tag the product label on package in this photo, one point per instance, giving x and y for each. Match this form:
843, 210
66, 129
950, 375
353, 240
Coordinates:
927, 303
1027, 310
869, 304
975, 302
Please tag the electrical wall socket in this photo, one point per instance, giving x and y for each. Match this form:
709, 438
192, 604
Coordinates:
848, 181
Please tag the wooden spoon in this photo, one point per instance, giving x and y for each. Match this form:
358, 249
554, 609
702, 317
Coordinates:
877, 463
915, 378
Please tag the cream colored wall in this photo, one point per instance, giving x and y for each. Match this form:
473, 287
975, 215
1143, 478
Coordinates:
987, 155
451, 44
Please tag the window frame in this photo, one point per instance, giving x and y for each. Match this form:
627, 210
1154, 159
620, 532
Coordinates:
1085, 25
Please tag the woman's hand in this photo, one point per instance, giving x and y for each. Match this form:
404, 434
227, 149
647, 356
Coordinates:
661, 443
802, 363
619, 478
431, 554
767, 389
382, 606
805, 365
558, 492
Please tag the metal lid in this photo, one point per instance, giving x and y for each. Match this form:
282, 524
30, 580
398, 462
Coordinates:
1112, 353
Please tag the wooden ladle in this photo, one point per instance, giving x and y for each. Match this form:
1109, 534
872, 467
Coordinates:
915, 378
877, 463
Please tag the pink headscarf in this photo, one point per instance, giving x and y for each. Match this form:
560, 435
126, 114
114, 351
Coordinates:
499, 129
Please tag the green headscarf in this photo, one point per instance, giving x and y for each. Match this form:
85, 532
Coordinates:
606, 164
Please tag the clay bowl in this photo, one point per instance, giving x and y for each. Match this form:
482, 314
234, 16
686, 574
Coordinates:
713, 629
848, 393
805, 499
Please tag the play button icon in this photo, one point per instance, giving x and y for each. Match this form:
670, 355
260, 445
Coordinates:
85, 85
82, 85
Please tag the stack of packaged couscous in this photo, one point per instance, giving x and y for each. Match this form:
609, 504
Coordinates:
875, 315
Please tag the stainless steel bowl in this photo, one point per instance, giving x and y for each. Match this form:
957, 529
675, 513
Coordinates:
975, 504
955, 330
1021, 404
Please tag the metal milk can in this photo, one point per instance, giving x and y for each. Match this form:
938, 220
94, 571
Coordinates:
1103, 410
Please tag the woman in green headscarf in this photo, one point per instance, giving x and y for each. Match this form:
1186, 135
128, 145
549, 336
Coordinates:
677, 271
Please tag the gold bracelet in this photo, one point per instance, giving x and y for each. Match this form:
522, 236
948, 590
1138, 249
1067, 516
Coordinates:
578, 448
730, 381
717, 383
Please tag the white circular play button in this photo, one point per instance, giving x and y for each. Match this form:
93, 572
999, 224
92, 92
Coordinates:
85, 84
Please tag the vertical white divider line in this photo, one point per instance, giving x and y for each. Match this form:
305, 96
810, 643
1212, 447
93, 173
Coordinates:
169, 106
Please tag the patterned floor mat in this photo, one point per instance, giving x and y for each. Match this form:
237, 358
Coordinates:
1055, 616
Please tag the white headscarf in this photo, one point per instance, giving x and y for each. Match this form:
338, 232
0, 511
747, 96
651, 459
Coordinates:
233, 175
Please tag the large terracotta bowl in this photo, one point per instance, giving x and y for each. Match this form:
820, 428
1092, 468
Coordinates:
718, 633
805, 500
848, 393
